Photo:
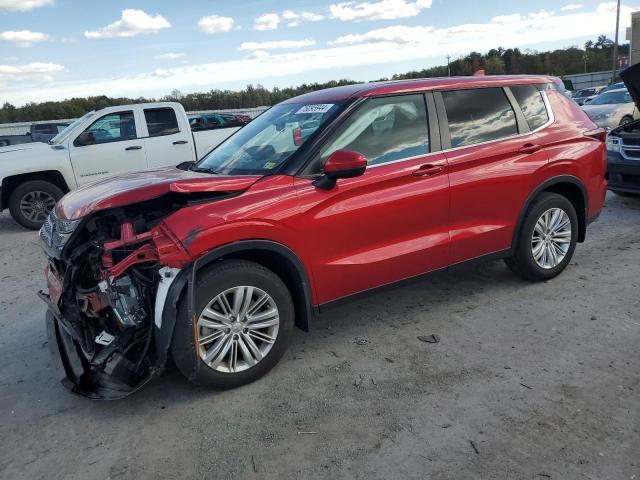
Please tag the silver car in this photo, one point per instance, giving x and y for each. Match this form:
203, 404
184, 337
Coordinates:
612, 108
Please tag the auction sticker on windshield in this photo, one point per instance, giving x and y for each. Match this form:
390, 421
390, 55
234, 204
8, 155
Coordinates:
317, 108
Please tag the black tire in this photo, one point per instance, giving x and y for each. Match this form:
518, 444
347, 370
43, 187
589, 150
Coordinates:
626, 119
25, 189
522, 263
215, 280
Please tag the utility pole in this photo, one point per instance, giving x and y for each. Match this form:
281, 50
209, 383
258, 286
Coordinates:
615, 45
448, 66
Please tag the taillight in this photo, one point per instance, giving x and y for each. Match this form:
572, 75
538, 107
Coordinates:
599, 134
297, 136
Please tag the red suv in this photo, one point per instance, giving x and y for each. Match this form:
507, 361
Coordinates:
324, 196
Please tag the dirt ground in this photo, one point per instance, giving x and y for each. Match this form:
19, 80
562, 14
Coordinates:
528, 381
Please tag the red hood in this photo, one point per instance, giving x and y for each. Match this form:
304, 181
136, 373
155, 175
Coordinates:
144, 185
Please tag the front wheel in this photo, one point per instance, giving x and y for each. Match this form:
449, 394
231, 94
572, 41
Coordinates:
626, 119
547, 238
243, 318
31, 202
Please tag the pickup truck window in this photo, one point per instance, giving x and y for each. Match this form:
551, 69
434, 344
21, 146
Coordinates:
65, 132
161, 121
113, 127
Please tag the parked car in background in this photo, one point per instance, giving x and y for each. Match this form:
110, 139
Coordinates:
34, 176
323, 196
611, 109
43, 132
623, 145
613, 86
586, 94
213, 121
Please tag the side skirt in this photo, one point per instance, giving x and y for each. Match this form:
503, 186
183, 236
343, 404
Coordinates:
319, 309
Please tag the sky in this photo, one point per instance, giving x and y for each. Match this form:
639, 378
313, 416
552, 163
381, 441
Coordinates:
56, 49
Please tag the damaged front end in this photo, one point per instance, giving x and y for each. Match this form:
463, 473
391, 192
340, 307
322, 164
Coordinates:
109, 289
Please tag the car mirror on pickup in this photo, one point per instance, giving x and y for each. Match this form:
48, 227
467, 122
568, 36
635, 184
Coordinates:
84, 139
341, 164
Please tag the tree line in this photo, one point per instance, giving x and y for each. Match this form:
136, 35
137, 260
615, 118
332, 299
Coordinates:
594, 56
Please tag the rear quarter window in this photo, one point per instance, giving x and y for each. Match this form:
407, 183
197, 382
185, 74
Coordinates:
532, 104
479, 115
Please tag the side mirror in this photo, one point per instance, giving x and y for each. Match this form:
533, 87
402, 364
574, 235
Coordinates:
341, 164
84, 139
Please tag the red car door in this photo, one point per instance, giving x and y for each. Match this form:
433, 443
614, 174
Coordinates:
390, 223
493, 155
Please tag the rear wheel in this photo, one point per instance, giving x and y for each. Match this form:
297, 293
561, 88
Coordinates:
547, 238
243, 318
31, 202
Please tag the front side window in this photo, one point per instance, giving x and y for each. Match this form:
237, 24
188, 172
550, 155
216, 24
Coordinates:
384, 130
114, 127
532, 104
161, 121
479, 115
269, 140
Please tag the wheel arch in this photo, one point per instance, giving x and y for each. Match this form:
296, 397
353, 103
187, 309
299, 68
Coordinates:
10, 183
569, 187
278, 258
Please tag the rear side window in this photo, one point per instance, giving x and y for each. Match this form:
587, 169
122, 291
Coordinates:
532, 104
479, 115
161, 121
384, 130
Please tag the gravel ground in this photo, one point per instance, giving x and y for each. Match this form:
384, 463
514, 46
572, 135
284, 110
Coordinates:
528, 381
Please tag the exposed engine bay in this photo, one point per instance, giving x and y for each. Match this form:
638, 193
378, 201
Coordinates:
104, 275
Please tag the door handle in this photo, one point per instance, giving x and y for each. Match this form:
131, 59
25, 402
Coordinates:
529, 148
180, 142
428, 170
134, 147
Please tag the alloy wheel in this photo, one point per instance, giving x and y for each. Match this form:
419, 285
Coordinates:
36, 205
237, 329
551, 238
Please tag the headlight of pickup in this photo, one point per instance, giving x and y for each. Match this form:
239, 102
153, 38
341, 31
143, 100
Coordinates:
613, 144
55, 233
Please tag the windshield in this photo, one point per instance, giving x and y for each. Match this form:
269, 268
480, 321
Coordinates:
268, 141
620, 96
60, 136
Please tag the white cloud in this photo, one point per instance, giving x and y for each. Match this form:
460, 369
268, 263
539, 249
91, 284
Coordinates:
23, 38
15, 72
380, 10
170, 56
572, 6
276, 45
424, 45
132, 22
294, 19
268, 21
22, 5
215, 24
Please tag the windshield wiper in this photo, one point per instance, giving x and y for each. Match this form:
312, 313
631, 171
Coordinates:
203, 170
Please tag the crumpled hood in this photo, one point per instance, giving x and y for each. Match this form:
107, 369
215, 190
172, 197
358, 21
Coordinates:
144, 185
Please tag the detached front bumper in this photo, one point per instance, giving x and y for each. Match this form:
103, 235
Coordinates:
118, 379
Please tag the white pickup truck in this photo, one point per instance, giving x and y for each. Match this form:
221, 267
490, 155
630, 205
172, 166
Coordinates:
113, 140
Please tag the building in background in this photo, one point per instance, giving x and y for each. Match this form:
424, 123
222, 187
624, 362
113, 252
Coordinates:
633, 35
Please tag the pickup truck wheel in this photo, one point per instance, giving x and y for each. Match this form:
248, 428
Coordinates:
547, 238
31, 202
243, 318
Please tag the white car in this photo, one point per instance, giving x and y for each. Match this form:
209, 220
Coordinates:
612, 108
106, 142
